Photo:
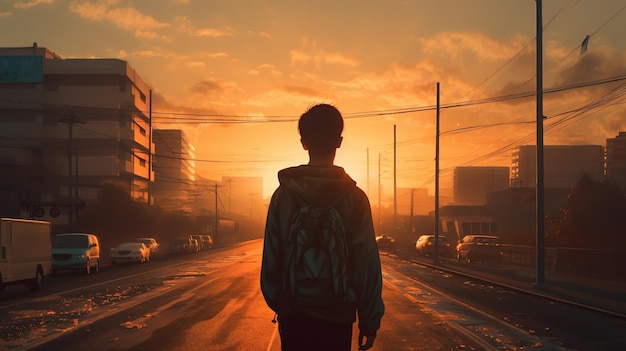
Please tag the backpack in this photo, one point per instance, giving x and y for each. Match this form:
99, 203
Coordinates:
317, 259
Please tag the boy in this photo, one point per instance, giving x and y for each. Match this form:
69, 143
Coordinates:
321, 183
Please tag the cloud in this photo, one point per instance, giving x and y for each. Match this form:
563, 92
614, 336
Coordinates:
311, 53
184, 25
209, 32
207, 87
456, 45
24, 5
154, 53
593, 65
288, 96
215, 92
265, 67
6, 14
126, 18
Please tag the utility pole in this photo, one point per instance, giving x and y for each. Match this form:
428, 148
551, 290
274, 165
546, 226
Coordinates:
216, 218
368, 171
395, 199
380, 218
436, 255
411, 216
76, 187
540, 181
70, 206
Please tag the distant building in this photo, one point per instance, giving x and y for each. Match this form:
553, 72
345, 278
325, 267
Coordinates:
616, 160
66, 127
564, 165
472, 184
174, 172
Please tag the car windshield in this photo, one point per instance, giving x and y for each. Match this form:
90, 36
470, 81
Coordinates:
70, 241
129, 246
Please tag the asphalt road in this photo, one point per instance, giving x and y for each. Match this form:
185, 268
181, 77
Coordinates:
211, 301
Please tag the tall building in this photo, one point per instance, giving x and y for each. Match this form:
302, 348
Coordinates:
564, 165
472, 184
66, 127
616, 160
174, 171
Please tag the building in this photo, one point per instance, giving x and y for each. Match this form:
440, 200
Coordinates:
616, 160
472, 184
174, 172
66, 127
564, 165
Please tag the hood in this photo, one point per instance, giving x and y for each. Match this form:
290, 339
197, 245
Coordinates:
317, 185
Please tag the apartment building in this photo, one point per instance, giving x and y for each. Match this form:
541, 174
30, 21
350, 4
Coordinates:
616, 159
174, 172
472, 184
563, 166
66, 127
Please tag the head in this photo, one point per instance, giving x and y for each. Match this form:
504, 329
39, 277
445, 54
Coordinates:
320, 129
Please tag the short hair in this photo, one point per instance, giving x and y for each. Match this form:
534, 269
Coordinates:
321, 127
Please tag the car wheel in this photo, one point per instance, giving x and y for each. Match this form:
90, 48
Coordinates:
37, 283
87, 268
96, 268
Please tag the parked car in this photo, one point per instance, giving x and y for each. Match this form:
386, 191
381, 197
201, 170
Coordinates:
134, 251
195, 244
76, 251
479, 248
183, 244
203, 241
425, 245
208, 240
386, 243
151, 244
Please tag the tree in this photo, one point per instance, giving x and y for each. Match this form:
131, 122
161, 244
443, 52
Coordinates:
593, 217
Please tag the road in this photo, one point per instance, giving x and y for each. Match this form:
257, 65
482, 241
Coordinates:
211, 301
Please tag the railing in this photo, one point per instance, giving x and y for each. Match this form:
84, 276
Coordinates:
570, 260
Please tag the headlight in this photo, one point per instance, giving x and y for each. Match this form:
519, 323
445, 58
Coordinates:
81, 256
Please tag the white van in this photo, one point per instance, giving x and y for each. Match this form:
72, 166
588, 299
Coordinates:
24, 252
76, 251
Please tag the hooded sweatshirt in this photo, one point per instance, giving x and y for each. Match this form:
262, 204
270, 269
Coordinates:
322, 186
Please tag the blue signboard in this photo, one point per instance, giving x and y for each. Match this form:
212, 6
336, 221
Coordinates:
21, 69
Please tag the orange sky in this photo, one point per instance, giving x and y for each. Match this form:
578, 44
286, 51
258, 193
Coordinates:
244, 71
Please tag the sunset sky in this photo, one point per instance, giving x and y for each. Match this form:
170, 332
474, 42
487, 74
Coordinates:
235, 75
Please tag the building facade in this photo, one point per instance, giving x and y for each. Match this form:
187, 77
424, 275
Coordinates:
616, 160
564, 165
472, 184
66, 127
174, 172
